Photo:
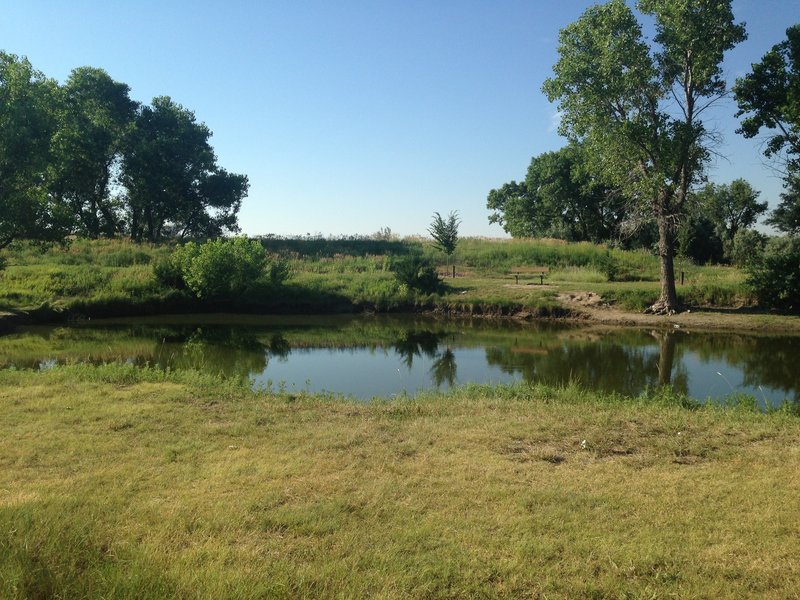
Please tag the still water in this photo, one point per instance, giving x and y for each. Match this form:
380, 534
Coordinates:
387, 356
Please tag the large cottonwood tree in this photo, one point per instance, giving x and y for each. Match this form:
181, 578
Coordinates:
27, 123
638, 109
95, 114
174, 186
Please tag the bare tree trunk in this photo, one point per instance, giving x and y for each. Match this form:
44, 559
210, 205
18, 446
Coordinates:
667, 302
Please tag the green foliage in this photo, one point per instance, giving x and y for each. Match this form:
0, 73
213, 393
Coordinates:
94, 116
698, 239
769, 94
610, 266
220, 269
417, 273
63, 149
560, 198
329, 247
27, 122
786, 217
775, 276
279, 271
617, 96
730, 209
514, 209
748, 245
175, 188
445, 232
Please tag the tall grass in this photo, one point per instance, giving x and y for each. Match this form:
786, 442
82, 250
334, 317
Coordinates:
115, 277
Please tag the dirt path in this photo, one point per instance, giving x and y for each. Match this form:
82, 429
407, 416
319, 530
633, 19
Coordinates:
592, 308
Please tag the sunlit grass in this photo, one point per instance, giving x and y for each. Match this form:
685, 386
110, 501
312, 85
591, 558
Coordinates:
122, 482
112, 277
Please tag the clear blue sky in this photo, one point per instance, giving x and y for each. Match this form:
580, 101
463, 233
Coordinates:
350, 116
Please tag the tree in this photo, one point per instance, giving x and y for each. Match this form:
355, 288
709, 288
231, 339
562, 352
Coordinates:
515, 209
27, 122
638, 111
774, 275
698, 238
731, 208
445, 232
560, 198
95, 115
770, 95
786, 217
174, 186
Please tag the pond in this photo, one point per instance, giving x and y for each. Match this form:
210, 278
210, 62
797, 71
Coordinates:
370, 356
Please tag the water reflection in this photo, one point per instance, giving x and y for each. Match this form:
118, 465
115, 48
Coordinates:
386, 356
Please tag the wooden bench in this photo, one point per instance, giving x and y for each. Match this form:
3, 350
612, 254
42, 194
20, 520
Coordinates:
539, 272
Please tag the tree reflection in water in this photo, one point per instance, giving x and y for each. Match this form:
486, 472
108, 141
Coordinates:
417, 343
598, 362
623, 360
444, 368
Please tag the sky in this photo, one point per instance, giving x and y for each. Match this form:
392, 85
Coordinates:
354, 116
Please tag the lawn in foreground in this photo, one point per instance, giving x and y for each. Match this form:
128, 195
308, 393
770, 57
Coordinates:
117, 482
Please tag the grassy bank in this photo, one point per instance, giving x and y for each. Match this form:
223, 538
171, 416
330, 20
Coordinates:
115, 278
118, 482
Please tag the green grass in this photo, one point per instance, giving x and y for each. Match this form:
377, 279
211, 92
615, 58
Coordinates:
115, 277
136, 483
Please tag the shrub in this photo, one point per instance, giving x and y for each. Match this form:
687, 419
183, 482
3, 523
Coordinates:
774, 276
219, 269
417, 273
609, 265
279, 271
168, 272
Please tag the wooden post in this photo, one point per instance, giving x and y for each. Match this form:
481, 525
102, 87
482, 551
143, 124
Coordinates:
454, 271
681, 277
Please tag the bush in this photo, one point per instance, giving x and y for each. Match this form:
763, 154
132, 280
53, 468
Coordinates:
279, 271
609, 265
168, 272
219, 269
417, 273
774, 276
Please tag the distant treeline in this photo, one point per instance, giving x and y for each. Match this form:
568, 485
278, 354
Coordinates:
561, 197
83, 158
320, 247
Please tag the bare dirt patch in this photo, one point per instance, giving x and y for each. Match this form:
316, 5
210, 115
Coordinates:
591, 306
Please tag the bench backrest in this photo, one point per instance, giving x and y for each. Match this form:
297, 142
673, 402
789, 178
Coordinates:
537, 270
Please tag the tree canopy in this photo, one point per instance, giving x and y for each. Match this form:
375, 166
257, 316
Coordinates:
175, 187
84, 158
27, 122
769, 97
559, 198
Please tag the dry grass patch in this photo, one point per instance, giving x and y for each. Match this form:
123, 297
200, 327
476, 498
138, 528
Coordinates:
159, 486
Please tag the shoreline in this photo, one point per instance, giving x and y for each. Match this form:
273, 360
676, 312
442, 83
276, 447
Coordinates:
577, 311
